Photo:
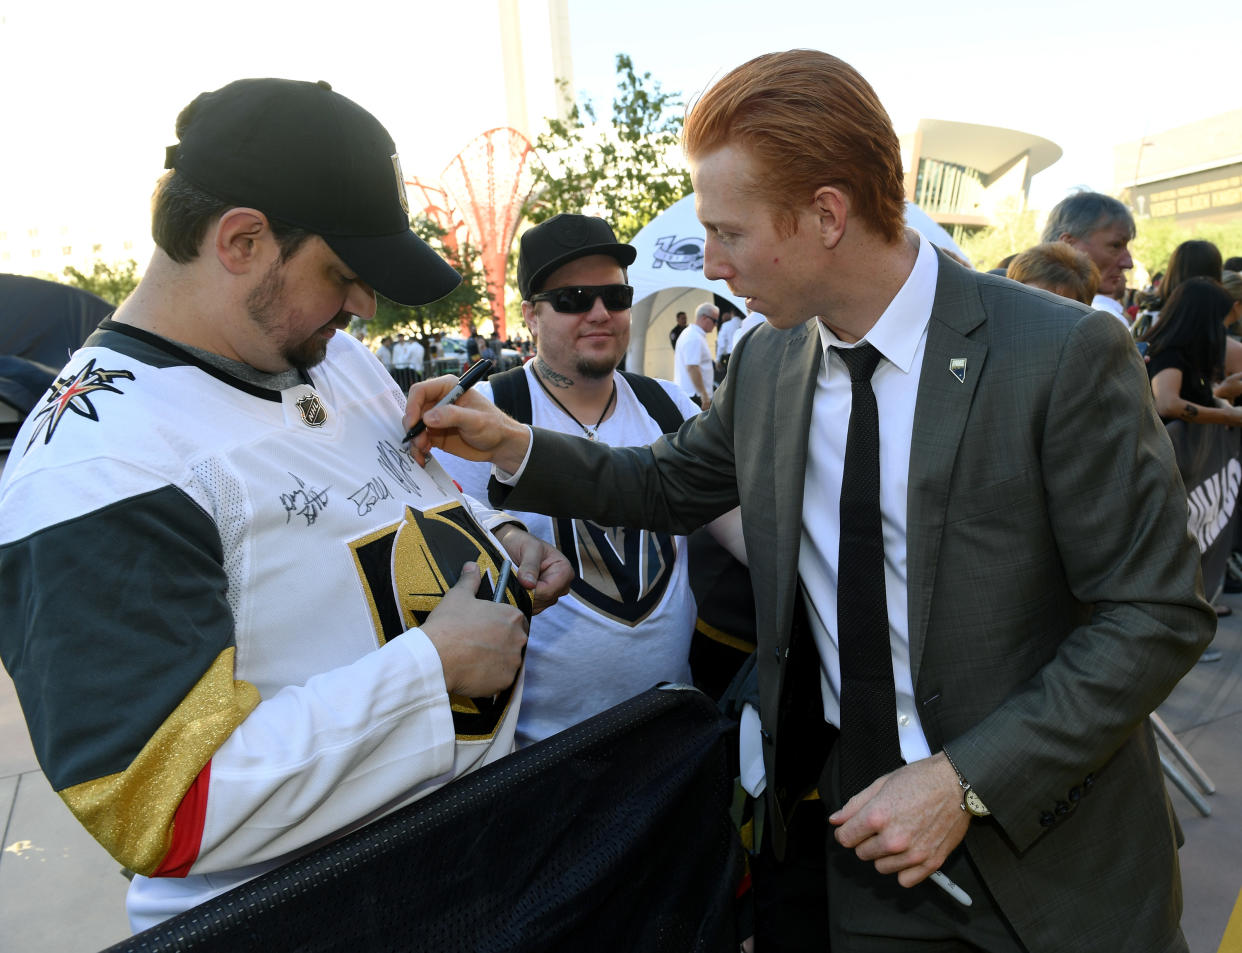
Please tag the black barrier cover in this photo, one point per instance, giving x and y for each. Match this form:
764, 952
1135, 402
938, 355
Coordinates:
1207, 456
612, 836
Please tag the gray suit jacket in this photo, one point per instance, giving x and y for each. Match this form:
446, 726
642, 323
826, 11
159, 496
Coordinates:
1054, 593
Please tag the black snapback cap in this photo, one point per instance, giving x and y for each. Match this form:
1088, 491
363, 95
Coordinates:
560, 240
308, 156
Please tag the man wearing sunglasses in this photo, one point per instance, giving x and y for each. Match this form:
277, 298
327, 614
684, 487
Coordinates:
630, 615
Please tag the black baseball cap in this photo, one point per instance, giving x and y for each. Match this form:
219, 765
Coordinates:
560, 240
307, 156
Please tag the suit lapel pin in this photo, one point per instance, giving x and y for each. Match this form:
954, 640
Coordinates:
957, 367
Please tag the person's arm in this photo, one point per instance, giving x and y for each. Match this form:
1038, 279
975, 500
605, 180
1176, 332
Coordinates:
1166, 386
1233, 356
1230, 388
118, 632
700, 386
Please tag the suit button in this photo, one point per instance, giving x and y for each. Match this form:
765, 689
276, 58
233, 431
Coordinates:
1062, 808
1088, 782
1075, 794
1046, 819
765, 735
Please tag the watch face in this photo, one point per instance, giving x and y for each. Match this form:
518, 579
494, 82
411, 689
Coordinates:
975, 804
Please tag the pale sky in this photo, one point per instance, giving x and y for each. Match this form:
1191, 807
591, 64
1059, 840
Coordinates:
89, 92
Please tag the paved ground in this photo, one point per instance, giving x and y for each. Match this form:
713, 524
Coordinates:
60, 893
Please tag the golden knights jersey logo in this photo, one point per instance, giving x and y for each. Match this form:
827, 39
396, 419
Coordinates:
73, 392
620, 573
405, 570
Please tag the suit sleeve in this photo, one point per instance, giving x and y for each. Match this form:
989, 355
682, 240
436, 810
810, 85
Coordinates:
1118, 518
676, 484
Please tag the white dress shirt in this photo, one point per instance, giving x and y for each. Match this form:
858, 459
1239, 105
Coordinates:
900, 335
1111, 305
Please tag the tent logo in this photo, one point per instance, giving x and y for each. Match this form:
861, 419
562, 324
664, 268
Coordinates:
680, 254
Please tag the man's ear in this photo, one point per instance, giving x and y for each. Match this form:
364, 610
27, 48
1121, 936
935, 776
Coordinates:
831, 209
531, 318
1068, 239
240, 236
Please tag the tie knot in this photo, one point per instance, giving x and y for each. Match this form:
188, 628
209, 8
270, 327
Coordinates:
861, 361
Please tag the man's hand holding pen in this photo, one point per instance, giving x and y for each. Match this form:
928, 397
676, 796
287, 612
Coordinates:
472, 427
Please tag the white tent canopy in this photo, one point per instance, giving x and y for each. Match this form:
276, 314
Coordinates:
670, 263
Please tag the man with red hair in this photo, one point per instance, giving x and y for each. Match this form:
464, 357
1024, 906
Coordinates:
972, 575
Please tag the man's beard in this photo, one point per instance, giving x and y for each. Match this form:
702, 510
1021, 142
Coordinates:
263, 305
595, 368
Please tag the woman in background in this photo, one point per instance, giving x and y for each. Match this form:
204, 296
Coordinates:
1186, 355
1195, 258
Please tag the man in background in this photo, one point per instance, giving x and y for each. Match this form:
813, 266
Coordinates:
693, 367
726, 336
1102, 227
675, 332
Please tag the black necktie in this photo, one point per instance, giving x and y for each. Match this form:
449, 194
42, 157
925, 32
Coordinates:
869, 744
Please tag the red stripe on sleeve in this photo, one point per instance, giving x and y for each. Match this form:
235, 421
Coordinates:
187, 828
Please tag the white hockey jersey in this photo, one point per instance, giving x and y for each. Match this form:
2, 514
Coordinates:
210, 596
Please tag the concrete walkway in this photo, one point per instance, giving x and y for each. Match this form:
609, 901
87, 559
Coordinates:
60, 893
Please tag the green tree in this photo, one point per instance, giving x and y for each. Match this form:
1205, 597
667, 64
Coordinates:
1013, 232
468, 300
628, 171
1157, 237
113, 282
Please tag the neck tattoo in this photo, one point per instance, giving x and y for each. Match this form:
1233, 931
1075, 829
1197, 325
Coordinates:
550, 376
589, 431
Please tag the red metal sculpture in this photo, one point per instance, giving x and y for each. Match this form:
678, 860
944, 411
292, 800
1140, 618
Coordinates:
487, 183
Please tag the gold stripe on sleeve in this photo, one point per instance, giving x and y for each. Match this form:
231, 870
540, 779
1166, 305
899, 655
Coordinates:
131, 813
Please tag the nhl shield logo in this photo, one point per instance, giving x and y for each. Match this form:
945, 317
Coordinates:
312, 410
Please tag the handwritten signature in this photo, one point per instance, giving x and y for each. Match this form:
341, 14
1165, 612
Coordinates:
368, 496
305, 502
400, 466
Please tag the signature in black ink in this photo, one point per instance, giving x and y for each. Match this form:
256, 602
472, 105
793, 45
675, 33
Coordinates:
366, 498
400, 466
304, 502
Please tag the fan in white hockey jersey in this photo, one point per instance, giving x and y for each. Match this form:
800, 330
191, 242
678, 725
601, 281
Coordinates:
241, 621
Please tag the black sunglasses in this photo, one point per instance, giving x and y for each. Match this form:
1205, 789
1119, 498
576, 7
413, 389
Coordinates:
581, 299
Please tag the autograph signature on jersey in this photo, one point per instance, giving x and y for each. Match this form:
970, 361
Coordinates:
306, 502
399, 465
368, 496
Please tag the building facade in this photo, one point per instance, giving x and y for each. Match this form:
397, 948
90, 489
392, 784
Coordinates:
1192, 173
963, 174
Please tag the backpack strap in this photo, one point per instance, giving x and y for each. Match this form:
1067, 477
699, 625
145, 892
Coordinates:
655, 400
511, 393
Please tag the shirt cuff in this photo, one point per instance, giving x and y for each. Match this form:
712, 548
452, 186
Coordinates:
511, 479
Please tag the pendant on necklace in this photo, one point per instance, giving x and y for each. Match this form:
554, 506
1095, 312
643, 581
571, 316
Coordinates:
590, 432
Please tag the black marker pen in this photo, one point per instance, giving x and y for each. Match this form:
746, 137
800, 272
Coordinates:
473, 375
